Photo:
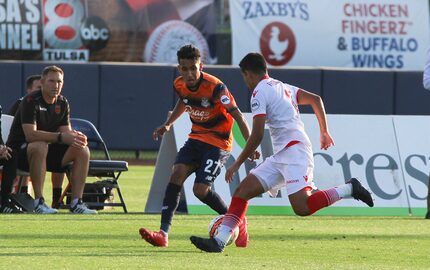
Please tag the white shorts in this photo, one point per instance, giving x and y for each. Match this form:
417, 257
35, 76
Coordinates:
292, 167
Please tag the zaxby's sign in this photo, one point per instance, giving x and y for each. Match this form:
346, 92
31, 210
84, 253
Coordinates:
389, 154
391, 34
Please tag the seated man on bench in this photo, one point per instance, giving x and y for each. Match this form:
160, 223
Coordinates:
43, 140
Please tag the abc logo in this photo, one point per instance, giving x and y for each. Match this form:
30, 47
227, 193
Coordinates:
94, 33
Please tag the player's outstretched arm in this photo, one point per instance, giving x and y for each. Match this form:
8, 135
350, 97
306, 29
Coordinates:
241, 122
307, 98
251, 145
177, 111
244, 129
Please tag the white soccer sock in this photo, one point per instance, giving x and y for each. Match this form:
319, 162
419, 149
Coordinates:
224, 234
344, 191
74, 202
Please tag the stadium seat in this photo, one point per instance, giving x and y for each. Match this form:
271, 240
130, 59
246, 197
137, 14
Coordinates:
6, 123
106, 169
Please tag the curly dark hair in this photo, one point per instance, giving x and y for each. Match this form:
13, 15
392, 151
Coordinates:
188, 52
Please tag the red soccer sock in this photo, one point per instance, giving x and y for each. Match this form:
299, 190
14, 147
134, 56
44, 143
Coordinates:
321, 199
236, 212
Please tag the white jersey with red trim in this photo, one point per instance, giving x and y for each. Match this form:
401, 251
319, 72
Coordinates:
278, 102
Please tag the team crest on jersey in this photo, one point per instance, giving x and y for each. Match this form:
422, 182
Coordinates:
57, 109
185, 100
225, 100
205, 102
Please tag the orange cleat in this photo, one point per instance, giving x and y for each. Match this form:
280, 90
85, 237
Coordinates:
243, 238
158, 239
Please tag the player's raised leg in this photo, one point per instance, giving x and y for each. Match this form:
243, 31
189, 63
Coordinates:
305, 203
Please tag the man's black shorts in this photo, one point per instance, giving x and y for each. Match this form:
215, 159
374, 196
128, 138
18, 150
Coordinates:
53, 160
208, 158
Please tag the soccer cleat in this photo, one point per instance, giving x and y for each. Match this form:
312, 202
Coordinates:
81, 208
43, 208
427, 215
360, 193
243, 238
10, 208
158, 239
207, 244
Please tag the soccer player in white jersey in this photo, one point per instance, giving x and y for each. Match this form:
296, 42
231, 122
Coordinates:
276, 104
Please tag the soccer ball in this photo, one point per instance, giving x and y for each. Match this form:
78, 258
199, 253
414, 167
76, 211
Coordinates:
213, 229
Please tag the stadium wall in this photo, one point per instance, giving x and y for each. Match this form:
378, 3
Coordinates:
127, 101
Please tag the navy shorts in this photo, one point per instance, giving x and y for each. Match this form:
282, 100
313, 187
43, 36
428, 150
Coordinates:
208, 158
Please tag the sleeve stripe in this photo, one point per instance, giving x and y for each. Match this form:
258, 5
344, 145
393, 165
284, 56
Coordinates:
261, 114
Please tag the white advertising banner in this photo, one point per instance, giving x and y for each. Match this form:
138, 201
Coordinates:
413, 134
388, 154
392, 34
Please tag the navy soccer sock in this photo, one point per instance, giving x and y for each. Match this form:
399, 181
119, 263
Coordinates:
170, 203
56, 194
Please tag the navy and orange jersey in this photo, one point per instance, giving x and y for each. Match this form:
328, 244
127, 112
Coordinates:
209, 108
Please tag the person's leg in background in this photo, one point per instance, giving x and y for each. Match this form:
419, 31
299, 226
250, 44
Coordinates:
24, 184
57, 188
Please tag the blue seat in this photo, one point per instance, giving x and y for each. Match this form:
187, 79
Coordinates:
106, 169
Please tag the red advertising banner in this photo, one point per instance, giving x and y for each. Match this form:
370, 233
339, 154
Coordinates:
105, 30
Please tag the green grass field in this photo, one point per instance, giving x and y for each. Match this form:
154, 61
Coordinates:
110, 240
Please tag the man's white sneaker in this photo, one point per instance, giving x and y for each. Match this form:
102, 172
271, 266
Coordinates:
81, 208
43, 208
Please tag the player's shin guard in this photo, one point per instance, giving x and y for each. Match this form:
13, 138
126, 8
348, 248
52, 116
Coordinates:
321, 199
236, 212
170, 203
214, 201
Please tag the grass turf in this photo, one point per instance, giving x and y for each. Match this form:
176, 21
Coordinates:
110, 240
